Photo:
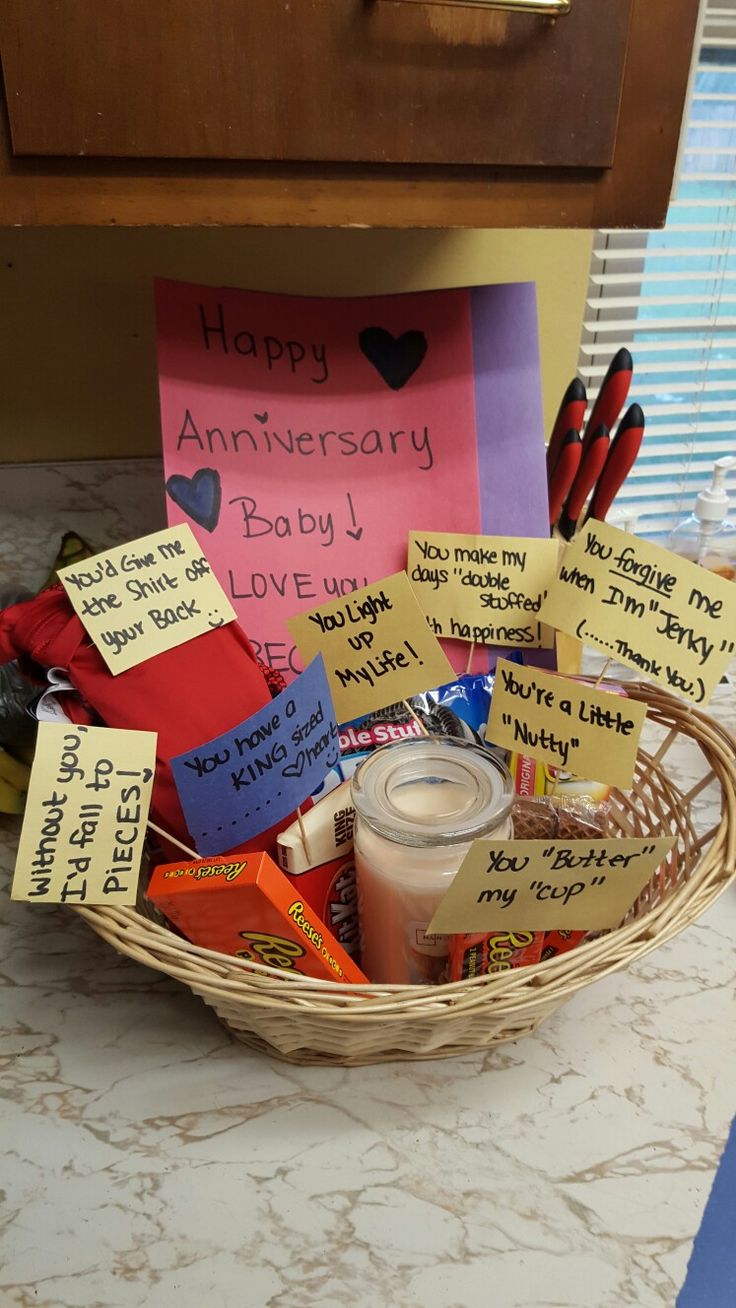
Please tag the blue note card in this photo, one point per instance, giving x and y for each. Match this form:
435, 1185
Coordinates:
242, 782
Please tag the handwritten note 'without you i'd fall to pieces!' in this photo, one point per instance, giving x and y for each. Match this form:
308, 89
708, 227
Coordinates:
86, 814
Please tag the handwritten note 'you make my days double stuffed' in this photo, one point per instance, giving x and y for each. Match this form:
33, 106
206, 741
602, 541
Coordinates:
377, 647
147, 596
539, 885
486, 589
565, 723
646, 607
86, 814
242, 782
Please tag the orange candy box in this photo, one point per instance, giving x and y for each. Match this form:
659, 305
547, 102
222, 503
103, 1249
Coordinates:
244, 905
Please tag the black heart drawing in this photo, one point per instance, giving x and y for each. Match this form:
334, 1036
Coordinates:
395, 358
262, 417
295, 769
199, 496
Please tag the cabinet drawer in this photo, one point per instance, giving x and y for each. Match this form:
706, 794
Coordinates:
373, 81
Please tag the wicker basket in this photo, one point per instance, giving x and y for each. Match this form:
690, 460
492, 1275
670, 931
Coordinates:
306, 1021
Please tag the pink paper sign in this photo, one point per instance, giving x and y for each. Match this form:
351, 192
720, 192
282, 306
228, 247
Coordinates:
304, 437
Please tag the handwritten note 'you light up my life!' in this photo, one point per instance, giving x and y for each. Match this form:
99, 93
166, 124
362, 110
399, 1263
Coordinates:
539, 885
376, 644
86, 815
646, 607
242, 782
147, 596
593, 733
486, 589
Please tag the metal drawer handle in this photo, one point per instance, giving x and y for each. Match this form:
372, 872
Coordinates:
549, 8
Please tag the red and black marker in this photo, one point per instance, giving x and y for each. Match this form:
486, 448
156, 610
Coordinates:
591, 467
571, 414
564, 472
621, 458
611, 396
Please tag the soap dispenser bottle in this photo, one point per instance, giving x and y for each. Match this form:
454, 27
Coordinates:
708, 537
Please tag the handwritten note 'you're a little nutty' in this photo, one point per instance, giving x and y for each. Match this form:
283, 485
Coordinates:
565, 723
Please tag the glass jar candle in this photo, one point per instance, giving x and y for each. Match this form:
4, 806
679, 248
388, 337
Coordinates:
419, 804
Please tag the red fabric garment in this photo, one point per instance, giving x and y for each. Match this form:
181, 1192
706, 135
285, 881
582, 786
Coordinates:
188, 694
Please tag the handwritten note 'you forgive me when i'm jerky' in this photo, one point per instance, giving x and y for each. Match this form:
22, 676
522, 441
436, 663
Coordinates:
660, 614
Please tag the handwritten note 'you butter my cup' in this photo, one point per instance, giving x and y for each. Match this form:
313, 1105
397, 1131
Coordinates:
540, 885
86, 814
670, 619
376, 645
150, 595
486, 589
593, 733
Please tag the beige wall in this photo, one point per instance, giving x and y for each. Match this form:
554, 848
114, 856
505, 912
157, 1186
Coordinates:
77, 364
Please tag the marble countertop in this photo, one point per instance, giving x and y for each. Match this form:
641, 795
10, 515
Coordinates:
150, 1161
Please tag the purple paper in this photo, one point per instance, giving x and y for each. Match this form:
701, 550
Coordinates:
508, 407
509, 420
240, 783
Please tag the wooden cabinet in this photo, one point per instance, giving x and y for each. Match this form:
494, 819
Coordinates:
334, 112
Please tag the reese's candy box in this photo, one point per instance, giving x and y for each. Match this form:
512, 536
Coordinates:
322, 871
243, 905
496, 951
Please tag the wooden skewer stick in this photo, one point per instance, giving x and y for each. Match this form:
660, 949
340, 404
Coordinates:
303, 833
604, 670
470, 658
173, 840
416, 718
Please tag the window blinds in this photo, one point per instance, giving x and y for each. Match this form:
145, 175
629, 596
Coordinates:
670, 297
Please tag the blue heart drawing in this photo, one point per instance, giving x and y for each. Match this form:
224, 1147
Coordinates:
199, 496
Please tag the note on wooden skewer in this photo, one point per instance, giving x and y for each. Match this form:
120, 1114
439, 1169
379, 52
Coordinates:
85, 818
540, 885
484, 589
652, 610
376, 644
150, 595
565, 723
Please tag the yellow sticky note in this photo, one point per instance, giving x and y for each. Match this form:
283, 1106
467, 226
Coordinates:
540, 885
85, 817
376, 644
486, 589
147, 596
591, 733
671, 620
